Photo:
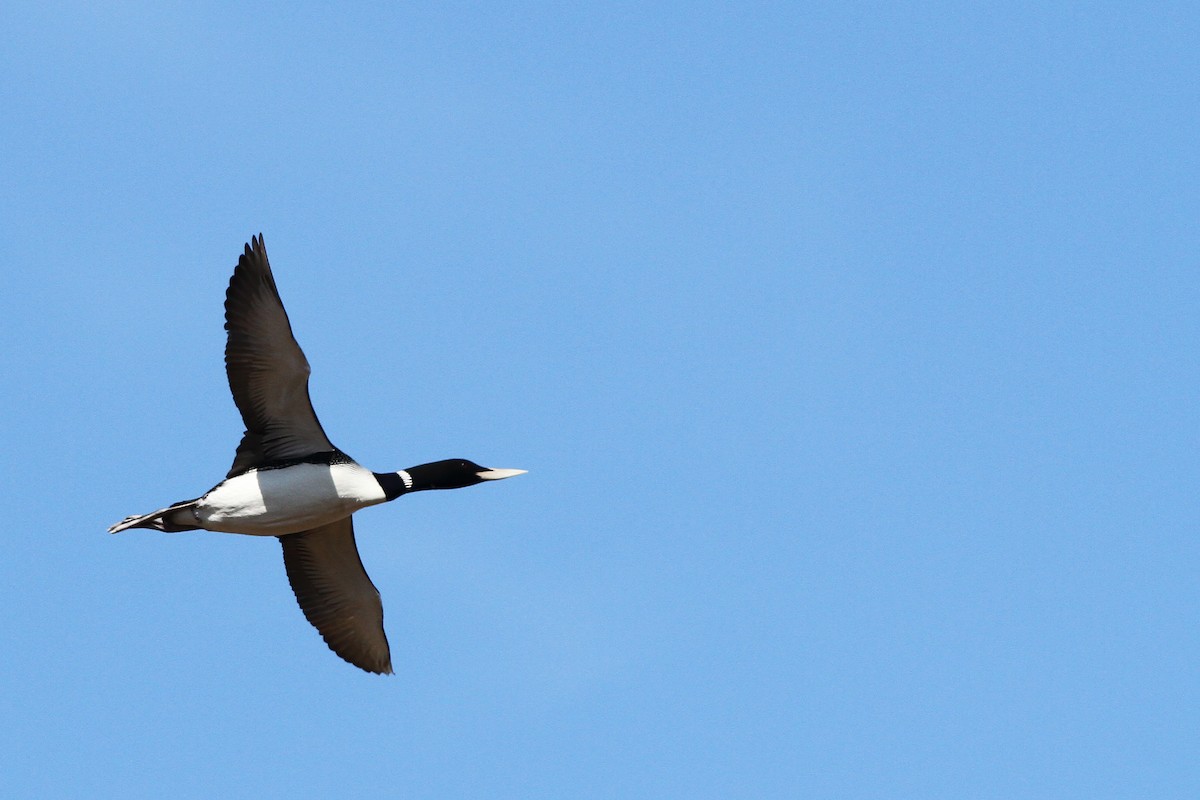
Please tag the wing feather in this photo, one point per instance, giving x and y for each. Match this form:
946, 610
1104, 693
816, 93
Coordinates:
267, 370
336, 595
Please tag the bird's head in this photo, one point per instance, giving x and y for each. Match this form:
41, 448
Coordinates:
455, 473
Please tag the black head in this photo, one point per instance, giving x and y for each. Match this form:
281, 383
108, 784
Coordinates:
455, 473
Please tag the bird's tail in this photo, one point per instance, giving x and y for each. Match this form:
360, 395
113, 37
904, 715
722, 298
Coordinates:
172, 519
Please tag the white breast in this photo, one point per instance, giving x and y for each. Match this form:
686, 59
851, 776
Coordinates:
277, 501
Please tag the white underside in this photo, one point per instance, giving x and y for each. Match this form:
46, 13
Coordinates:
275, 502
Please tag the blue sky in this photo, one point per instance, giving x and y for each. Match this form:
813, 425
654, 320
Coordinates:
850, 347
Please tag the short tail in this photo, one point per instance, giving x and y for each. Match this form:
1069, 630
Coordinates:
172, 519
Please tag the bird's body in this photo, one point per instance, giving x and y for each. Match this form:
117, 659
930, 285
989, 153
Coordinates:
290, 482
283, 500
278, 500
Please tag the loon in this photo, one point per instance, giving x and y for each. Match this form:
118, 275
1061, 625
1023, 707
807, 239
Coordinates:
289, 481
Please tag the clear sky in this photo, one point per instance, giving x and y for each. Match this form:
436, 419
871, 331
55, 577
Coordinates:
851, 348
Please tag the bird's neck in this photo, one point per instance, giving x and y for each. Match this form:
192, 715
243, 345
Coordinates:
395, 484
406, 481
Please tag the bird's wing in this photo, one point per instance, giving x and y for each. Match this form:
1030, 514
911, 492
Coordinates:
336, 595
268, 373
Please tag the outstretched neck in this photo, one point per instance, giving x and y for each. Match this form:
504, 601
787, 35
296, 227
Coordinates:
418, 479
395, 484
451, 473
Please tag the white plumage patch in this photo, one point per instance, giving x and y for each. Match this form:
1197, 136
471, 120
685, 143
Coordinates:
274, 502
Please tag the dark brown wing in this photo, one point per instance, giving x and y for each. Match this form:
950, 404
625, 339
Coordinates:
268, 373
336, 595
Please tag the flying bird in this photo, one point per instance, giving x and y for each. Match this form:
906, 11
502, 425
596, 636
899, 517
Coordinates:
290, 482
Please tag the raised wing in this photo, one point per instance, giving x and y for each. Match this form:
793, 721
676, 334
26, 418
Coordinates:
336, 595
268, 373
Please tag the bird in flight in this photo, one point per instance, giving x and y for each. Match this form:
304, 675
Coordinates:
290, 482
